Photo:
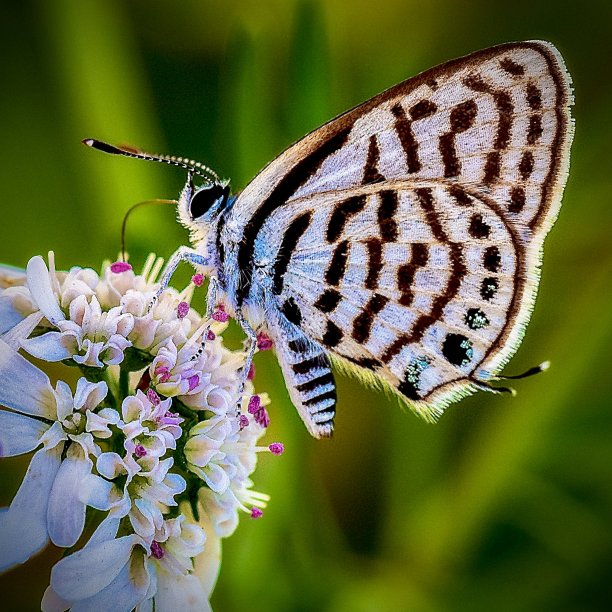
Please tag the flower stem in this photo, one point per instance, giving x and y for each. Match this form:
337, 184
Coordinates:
124, 384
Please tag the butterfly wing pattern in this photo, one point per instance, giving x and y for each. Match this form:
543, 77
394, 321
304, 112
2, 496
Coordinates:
404, 237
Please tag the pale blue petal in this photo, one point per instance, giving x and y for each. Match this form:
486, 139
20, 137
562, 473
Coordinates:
125, 592
47, 347
66, 513
23, 387
9, 316
88, 571
39, 284
15, 336
107, 530
183, 593
19, 434
52, 602
23, 528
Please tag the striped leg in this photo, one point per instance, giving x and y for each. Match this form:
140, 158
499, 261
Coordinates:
181, 254
308, 377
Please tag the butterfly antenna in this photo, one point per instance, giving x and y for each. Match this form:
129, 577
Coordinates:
189, 164
530, 372
130, 210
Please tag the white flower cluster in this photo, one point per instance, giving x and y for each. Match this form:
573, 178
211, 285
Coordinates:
150, 455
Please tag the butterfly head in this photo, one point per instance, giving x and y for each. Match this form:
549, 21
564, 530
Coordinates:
201, 205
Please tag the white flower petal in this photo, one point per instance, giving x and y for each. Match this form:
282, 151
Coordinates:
216, 478
9, 315
19, 434
88, 395
110, 465
52, 602
125, 592
183, 593
99, 493
106, 530
23, 528
66, 512
86, 572
53, 436
146, 605
39, 284
15, 336
208, 562
48, 347
23, 387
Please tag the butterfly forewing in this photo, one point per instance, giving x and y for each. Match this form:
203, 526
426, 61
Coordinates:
406, 233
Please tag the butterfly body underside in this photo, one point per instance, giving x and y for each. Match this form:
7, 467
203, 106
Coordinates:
402, 239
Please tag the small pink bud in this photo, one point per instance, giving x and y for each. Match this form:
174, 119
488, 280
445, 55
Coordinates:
197, 279
156, 550
220, 315
140, 451
264, 342
255, 513
261, 417
251, 374
182, 310
120, 266
243, 421
153, 397
210, 335
254, 404
163, 373
277, 448
193, 381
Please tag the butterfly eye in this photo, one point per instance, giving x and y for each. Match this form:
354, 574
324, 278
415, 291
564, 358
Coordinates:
205, 198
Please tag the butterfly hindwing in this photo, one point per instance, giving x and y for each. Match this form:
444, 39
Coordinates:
405, 235
421, 297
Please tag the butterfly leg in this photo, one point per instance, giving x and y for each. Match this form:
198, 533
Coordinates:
211, 297
252, 339
181, 254
211, 302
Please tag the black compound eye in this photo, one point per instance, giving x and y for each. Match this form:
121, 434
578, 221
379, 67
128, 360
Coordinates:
206, 197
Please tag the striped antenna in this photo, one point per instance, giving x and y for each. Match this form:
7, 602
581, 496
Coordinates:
127, 151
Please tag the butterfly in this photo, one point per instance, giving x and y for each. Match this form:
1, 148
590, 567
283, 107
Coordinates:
402, 239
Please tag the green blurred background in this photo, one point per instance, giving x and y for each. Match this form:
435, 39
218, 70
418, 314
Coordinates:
506, 504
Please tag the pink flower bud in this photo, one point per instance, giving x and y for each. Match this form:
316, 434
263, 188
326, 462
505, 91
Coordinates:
193, 381
254, 404
182, 310
156, 550
120, 266
162, 373
264, 342
261, 417
220, 315
153, 397
197, 279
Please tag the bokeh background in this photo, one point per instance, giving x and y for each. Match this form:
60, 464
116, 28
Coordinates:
506, 504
